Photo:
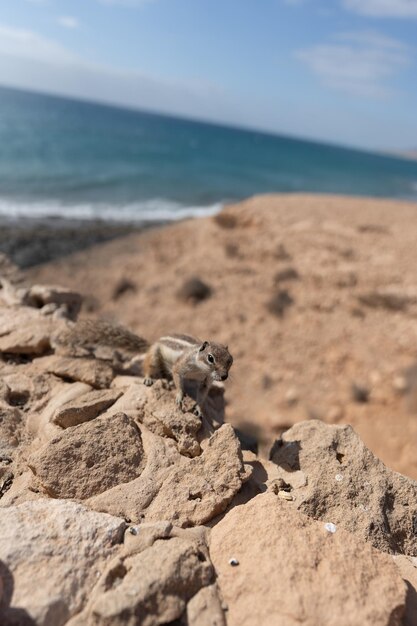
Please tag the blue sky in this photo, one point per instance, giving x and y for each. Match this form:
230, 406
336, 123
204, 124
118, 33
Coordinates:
343, 70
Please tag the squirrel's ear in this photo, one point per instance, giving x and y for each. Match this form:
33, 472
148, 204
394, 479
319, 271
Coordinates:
227, 347
203, 346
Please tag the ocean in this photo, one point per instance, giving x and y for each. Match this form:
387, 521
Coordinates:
64, 158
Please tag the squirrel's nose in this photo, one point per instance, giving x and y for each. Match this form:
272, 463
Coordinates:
224, 376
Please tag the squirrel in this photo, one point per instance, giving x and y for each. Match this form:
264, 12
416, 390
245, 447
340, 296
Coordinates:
186, 358
176, 356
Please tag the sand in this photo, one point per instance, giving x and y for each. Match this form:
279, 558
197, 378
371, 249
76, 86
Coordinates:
316, 297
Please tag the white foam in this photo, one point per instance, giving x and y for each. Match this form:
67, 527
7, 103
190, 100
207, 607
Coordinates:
155, 210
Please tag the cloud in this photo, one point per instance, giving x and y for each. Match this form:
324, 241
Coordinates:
383, 8
67, 21
31, 61
126, 3
20, 43
359, 63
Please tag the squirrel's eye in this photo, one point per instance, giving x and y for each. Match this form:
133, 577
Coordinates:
210, 358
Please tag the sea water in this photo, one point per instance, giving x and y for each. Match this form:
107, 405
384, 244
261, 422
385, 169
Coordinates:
72, 159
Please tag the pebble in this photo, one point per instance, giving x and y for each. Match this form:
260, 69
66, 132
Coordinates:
292, 396
284, 495
400, 384
233, 562
330, 527
338, 477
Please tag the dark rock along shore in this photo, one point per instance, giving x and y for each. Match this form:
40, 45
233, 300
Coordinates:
32, 242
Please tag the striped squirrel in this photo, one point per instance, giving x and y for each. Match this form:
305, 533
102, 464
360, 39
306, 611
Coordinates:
178, 356
186, 358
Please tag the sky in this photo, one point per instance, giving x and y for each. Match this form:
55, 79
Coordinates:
343, 71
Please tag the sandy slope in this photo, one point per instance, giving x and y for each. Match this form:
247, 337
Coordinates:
351, 314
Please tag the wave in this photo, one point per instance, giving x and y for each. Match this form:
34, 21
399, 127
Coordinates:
154, 210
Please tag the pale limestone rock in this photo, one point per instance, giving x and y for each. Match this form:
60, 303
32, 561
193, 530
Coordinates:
290, 570
203, 487
129, 500
54, 552
68, 301
347, 485
96, 373
40, 425
407, 567
90, 458
86, 407
205, 609
155, 407
24, 331
151, 583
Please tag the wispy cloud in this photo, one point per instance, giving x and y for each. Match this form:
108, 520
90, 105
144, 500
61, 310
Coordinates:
26, 44
126, 3
383, 8
359, 63
67, 21
32, 61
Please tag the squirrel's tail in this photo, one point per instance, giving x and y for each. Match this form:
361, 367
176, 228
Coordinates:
114, 335
95, 332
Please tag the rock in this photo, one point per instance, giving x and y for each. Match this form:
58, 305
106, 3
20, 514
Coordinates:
69, 302
359, 392
390, 301
194, 290
24, 331
101, 454
123, 286
91, 371
348, 486
407, 567
280, 302
400, 384
11, 429
281, 253
291, 570
226, 219
292, 396
202, 488
6, 478
86, 407
40, 425
172, 487
54, 551
205, 609
155, 407
8, 270
129, 500
286, 274
20, 389
153, 584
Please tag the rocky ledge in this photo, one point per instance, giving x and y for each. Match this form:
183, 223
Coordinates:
118, 509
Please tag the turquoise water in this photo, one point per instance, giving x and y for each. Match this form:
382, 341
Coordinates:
76, 159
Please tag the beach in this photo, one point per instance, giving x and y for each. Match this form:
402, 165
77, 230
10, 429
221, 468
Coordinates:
315, 295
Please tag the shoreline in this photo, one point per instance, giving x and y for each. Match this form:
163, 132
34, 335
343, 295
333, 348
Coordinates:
30, 242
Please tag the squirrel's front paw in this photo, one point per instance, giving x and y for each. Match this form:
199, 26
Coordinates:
148, 381
178, 400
